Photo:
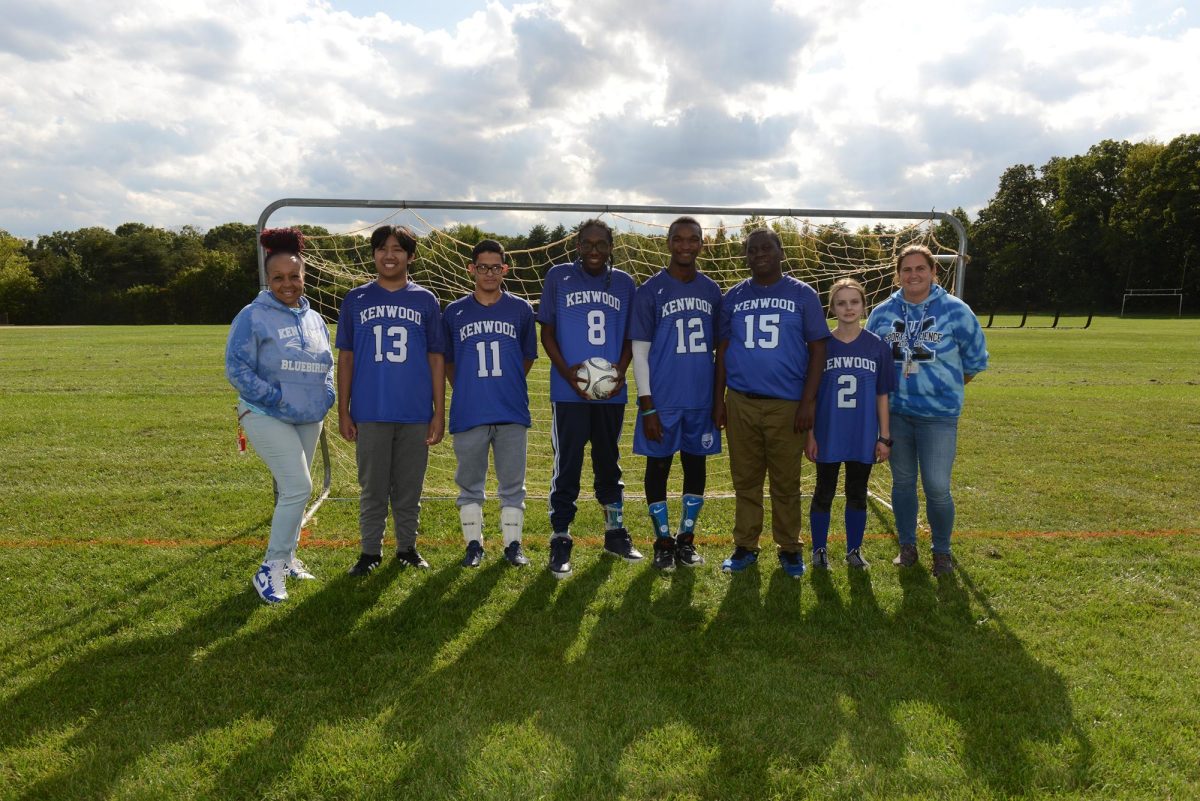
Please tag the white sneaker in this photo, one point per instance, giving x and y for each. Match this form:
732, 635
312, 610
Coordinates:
269, 581
298, 570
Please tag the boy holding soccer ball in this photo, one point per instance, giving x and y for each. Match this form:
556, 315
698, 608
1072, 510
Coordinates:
491, 344
584, 312
674, 317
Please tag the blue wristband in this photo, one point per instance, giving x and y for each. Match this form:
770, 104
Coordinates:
648, 412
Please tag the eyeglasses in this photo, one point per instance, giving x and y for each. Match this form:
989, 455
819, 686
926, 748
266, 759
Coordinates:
490, 269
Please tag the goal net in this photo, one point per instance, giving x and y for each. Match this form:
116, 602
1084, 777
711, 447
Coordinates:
819, 247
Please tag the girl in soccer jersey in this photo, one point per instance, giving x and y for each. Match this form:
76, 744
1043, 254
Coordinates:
851, 424
937, 347
279, 360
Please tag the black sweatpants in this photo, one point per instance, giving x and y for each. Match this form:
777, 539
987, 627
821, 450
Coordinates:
575, 425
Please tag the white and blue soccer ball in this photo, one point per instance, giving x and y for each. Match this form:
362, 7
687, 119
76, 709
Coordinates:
598, 377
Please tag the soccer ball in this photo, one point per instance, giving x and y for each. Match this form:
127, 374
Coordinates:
598, 378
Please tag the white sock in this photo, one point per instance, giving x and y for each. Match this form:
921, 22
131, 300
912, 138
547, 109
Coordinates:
471, 517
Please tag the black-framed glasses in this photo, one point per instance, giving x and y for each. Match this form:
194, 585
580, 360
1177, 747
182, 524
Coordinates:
489, 269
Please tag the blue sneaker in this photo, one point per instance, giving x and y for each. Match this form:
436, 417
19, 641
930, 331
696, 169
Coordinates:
269, 581
792, 563
741, 559
474, 554
560, 556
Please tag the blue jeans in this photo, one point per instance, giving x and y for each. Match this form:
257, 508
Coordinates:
927, 444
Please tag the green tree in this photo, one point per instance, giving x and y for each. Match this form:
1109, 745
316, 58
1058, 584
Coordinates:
18, 285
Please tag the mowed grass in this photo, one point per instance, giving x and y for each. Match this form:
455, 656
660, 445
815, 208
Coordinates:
136, 662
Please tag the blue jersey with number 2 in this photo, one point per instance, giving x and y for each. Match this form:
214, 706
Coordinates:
856, 374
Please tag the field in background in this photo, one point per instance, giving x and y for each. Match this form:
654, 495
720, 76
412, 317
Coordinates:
135, 660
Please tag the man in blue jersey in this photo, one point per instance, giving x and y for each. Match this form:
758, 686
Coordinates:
491, 343
674, 319
391, 394
584, 312
772, 334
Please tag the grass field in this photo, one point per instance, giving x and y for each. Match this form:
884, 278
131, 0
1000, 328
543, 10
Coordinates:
136, 662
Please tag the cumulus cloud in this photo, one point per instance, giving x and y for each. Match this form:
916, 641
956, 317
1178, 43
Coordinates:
182, 112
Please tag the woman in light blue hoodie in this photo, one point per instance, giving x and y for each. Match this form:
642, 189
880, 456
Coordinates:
937, 347
279, 360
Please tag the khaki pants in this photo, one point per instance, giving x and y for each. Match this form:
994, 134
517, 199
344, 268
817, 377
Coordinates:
762, 443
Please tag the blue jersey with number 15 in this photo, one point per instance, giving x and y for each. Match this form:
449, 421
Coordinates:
489, 346
590, 315
392, 333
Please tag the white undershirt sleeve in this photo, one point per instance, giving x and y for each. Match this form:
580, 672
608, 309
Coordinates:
641, 366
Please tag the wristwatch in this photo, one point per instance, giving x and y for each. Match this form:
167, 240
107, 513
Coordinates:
885, 441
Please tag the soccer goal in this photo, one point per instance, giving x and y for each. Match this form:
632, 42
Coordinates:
820, 246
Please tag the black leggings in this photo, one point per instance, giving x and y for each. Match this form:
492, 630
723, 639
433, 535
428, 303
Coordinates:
857, 474
658, 469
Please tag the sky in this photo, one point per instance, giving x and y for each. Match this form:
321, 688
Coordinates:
198, 113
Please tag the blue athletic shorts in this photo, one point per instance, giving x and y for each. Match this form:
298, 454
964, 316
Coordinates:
688, 430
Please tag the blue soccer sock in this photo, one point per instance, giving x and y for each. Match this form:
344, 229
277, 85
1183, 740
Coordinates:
658, 514
856, 524
818, 526
692, 504
614, 516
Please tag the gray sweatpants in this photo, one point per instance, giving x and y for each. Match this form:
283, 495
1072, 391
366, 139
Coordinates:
508, 444
392, 458
288, 451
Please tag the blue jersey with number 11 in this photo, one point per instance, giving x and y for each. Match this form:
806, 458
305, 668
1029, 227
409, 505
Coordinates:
590, 315
489, 346
392, 333
678, 319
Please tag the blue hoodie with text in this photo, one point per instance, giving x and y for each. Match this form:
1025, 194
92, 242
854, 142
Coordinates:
280, 361
943, 339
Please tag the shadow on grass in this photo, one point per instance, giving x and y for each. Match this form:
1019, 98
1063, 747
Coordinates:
570, 690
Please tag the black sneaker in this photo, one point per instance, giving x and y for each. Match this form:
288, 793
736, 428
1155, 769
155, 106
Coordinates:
907, 556
474, 554
821, 558
515, 556
618, 543
560, 556
943, 564
685, 551
855, 559
664, 554
411, 558
365, 564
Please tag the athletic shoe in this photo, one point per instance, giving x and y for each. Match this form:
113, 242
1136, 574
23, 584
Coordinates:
365, 564
269, 581
664, 554
943, 564
855, 559
618, 543
411, 558
741, 559
792, 563
515, 556
907, 556
685, 551
560, 556
821, 558
299, 570
474, 554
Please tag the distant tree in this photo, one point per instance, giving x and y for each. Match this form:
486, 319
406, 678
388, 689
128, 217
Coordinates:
18, 286
1015, 232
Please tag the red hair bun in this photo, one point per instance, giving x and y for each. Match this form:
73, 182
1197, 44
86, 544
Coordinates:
282, 240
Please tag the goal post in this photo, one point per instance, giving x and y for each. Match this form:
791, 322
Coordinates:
820, 246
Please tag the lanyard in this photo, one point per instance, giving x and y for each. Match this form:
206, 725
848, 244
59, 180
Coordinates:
908, 340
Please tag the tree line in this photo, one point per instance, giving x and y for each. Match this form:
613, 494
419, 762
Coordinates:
1070, 235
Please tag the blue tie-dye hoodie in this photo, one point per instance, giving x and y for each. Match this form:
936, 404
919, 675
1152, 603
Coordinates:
946, 342
279, 360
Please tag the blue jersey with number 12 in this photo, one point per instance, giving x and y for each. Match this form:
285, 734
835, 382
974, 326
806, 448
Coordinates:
489, 346
856, 374
590, 315
392, 333
678, 319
